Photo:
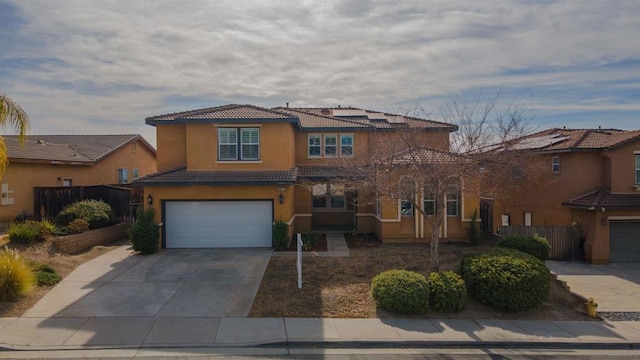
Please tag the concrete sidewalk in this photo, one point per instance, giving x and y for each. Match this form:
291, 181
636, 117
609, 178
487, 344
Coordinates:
91, 333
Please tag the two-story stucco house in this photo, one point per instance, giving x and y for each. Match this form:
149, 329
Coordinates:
226, 173
69, 160
590, 179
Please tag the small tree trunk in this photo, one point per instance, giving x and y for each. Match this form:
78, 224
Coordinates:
434, 261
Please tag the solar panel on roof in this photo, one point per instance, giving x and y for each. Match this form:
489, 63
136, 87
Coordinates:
376, 116
349, 112
539, 142
396, 119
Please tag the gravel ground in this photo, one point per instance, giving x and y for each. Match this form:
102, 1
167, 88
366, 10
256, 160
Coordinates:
620, 316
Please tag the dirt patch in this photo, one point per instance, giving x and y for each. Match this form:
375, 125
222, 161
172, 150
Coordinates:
340, 287
43, 252
358, 240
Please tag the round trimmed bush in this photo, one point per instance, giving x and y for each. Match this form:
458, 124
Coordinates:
78, 226
96, 212
507, 279
532, 245
401, 291
447, 291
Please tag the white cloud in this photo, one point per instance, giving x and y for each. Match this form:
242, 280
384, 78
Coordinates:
120, 60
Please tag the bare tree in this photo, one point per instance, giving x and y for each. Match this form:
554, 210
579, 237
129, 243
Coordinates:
405, 166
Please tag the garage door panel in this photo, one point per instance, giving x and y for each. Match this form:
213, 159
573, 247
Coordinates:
624, 241
203, 224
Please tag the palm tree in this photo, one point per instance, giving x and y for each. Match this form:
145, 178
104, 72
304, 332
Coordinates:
11, 114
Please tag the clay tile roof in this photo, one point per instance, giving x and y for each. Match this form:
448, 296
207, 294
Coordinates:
183, 177
223, 113
320, 172
67, 148
426, 155
576, 139
310, 120
601, 200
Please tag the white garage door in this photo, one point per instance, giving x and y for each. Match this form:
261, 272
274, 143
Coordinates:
211, 224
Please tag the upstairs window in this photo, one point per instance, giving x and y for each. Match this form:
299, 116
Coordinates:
239, 144
346, 145
123, 175
315, 145
555, 165
330, 145
135, 173
637, 169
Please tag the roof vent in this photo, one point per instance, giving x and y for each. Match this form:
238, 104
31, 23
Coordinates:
325, 111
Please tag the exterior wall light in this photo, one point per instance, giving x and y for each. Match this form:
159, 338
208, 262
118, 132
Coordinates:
281, 198
150, 199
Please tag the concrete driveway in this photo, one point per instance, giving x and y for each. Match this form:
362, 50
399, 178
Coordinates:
171, 283
615, 287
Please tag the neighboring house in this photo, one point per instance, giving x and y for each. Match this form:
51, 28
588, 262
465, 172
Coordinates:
226, 173
590, 179
69, 160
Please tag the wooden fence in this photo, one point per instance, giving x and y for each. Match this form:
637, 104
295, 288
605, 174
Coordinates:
49, 201
564, 240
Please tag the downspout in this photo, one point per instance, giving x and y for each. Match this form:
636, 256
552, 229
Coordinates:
444, 221
416, 218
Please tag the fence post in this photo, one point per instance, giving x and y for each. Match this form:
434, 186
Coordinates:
299, 261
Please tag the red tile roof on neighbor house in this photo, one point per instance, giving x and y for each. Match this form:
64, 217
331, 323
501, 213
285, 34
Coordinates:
575, 139
602, 200
77, 149
183, 177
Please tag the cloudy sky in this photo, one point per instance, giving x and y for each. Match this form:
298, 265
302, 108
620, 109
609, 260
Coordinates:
103, 66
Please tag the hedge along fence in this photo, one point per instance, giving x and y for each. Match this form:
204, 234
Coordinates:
79, 242
564, 240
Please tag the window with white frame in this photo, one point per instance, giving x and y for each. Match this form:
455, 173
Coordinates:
330, 145
328, 196
429, 202
346, 145
135, 173
239, 144
315, 145
378, 207
407, 191
637, 169
555, 164
123, 175
453, 203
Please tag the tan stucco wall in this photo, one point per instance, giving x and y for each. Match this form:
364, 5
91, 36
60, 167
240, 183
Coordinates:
171, 146
580, 173
23, 177
623, 167
276, 147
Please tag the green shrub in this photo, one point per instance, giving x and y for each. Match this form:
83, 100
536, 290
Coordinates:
47, 227
143, 235
473, 233
447, 291
46, 275
78, 226
507, 279
16, 276
532, 245
280, 235
96, 212
25, 232
401, 291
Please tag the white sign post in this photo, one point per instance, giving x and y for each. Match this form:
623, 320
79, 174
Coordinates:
299, 262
